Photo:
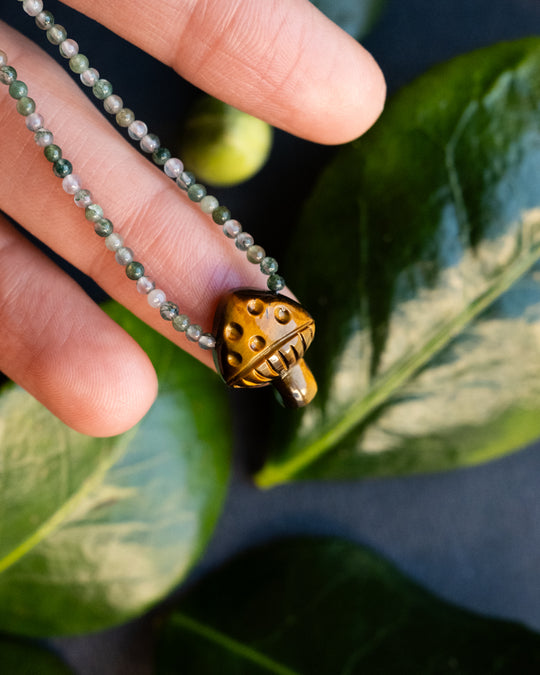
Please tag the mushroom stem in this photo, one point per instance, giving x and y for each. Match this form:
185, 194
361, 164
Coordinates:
297, 386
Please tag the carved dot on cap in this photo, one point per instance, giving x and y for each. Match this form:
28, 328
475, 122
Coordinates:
255, 307
233, 331
256, 343
282, 315
234, 359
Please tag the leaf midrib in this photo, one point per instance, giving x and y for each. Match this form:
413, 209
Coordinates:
397, 375
230, 644
60, 515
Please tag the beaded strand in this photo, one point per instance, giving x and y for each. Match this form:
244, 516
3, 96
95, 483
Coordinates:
149, 143
72, 184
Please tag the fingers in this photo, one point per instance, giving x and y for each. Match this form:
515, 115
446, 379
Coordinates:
59, 346
181, 248
280, 60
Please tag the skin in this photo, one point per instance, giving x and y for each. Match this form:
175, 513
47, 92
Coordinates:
280, 60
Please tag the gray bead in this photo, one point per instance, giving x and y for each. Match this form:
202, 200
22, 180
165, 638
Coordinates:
124, 255
269, 265
181, 323
255, 254
194, 332
113, 104
168, 310
244, 241
232, 229
207, 341
185, 180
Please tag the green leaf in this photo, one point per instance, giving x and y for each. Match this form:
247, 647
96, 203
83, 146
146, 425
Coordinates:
427, 299
93, 531
329, 607
354, 16
21, 657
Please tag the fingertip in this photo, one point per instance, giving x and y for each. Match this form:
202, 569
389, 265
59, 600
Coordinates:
351, 102
106, 398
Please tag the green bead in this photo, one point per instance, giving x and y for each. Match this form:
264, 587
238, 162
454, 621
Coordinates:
181, 323
102, 89
134, 270
53, 152
221, 215
62, 168
103, 227
26, 106
8, 74
168, 310
269, 265
18, 89
161, 155
93, 213
185, 180
45, 20
276, 283
196, 192
125, 117
79, 63
56, 34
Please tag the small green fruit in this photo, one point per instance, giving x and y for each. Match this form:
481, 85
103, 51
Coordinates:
222, 145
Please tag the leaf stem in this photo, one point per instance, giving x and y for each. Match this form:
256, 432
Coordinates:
213, 635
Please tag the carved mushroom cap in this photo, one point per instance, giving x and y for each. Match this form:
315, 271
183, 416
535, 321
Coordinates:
261, 339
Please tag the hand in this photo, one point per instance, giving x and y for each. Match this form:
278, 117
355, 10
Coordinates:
280, 60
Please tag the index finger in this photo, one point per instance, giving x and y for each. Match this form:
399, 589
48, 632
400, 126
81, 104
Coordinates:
280, 60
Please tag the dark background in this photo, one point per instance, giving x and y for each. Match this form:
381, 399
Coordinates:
472, 535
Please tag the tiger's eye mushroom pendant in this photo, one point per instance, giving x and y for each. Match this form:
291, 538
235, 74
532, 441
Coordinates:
261, 339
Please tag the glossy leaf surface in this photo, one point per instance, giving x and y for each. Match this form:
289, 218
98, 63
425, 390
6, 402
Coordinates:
21, 657
354, 16
301, 607
427, 299
93, 531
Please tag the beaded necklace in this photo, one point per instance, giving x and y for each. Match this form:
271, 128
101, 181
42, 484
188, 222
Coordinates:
259, 337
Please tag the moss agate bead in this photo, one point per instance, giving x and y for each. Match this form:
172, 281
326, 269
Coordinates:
8, 74
221, 215
185, 180
103, 227
168, 310
102, 89
134, 270
194, 332
43, 138
79, 63
125, 117
56, 34
161, 155
243, 241
276, 283
124, 255
53, 152
269, 265
232, 229
196, 192
26, 106
181, 323
18, 89
255, 254
44, 20
93, 213
208, 204
207, 341
62, 168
